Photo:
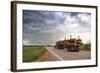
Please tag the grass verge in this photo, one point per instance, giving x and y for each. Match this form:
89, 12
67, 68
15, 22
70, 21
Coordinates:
32, 53
86, 46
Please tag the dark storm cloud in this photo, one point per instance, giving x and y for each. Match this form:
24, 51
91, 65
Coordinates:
46, 27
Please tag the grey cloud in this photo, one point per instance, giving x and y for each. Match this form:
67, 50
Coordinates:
46, 27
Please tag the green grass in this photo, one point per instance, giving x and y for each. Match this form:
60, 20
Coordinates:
86, 46
32, 53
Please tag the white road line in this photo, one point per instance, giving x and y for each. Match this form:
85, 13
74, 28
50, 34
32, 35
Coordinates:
55, 54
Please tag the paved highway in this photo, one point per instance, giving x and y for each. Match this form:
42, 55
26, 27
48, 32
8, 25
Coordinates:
65, 55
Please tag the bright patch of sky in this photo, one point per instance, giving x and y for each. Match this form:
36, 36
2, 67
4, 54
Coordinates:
47, 27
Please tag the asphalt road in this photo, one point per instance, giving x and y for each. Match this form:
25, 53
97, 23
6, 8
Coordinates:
65, 55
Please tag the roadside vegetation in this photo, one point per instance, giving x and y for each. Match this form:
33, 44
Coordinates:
86, 46
32, 53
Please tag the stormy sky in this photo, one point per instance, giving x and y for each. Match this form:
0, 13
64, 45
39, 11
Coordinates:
47, 27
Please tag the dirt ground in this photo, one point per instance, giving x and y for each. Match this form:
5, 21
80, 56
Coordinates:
47, 57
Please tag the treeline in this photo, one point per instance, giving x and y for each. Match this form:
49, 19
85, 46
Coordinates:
38, 45
33, 45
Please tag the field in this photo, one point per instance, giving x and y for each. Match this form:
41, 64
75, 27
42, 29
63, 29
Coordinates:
32, 53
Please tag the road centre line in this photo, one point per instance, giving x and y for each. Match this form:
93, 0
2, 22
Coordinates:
54, 54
